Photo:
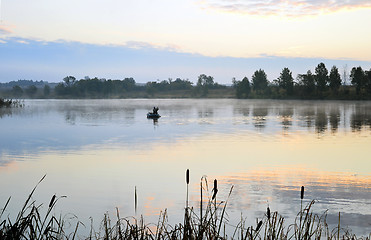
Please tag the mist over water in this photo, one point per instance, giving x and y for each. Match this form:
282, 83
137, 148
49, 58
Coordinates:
96, 151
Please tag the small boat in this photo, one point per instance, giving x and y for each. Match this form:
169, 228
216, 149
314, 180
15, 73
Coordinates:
153, 115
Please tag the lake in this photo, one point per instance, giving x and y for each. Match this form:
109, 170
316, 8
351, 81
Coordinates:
96, 152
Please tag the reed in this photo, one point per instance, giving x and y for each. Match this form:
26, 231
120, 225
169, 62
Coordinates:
135, 200
8, 103
210, 223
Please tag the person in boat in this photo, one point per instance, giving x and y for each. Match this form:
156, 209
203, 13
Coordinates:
155, 110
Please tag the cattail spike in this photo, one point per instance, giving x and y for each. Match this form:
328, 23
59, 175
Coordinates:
52, 201
268, 213
187, 176
259, 225
215, 189
135, 200
302, 192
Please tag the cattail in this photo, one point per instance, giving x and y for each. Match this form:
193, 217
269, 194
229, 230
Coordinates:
268, 213
187, 176
302, 192
135, 199
259, 225
52, 201
215, 189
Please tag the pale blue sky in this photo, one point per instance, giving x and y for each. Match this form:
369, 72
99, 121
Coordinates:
158, 39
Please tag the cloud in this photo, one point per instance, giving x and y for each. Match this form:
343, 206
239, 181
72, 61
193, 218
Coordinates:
289, 8
146, 45
5, 30
51, 61
23, 42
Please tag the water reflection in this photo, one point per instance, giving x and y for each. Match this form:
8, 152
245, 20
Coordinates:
260, 114
280, 189
267, 149
321, 120
361, 117
38, 125
334, 119
286, 115
307, 117
4, 112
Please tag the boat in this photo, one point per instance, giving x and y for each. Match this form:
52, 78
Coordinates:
153, 115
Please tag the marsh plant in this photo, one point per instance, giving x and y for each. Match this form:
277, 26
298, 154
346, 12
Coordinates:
209, 223
8, 103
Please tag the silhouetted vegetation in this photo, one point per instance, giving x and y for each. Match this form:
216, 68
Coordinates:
8, 103
322, 84
211, 223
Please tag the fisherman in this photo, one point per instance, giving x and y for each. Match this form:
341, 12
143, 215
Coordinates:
155, 110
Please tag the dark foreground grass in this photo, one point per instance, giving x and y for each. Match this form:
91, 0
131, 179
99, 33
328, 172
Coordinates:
209, 223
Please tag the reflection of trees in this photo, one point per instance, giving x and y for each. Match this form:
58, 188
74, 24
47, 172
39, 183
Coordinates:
259, 116
95, 114
361, 116
5, 112
129, 114
334, 119
286, 116
321, 121
70, 117
307, 115
244, 111
205, 113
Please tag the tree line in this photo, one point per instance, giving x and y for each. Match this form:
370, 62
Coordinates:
88, 87
322, 84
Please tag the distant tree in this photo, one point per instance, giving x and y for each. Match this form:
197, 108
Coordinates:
368, 80
321, 77
150, 88
357, 77
164, 85
69, 80
129, 84
31, 90
243, 87
204, 83
286, 81
17, 91
180, 84
60, 89
308, 82
259, 81
334, 79
46, 90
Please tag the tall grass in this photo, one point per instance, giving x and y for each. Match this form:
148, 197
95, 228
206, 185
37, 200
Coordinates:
7, 103
210, 223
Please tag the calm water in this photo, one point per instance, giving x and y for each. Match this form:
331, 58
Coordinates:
96, 152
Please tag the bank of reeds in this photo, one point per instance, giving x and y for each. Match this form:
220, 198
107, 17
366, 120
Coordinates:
209, 223
7, 103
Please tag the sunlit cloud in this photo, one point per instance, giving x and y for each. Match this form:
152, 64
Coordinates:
289, 8
5, 30
147, 45
23, 42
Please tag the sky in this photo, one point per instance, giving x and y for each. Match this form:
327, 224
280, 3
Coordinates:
153, 40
